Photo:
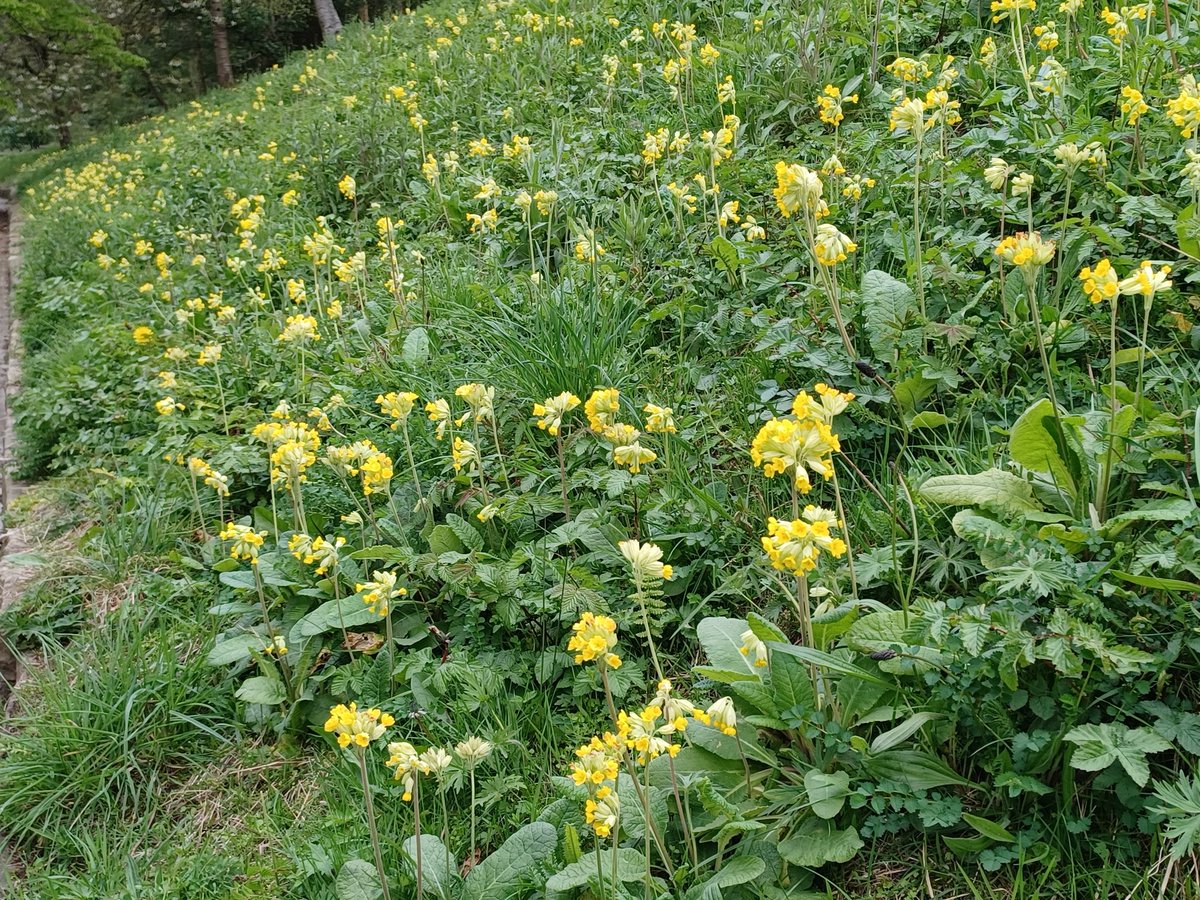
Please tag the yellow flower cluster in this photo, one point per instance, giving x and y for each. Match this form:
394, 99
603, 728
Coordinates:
550, 412
830, 105
796, 546
246, 541
803, 443
319, 551
397, 405
1184, 110
357, 727
380, 591
198, 468
593, 639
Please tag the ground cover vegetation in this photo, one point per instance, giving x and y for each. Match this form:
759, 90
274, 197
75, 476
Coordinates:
625, 450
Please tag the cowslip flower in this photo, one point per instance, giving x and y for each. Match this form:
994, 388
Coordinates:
397, 405
1145, 282
379, 591
1184, 110
601, 409
550, 411
659, 419
603, 811
1099, 282
1133, 104
246, 541
643, 734
797, 188
797, 545
596, 762
802, 447
907, 69
587, 248
721, 716
1002, 9
407, 766
676, 709
464, 455
593, 639
473, 751
645, 561
908, 117
627, 449
357, 727
299, 329
830, 105
439, 412
1027, 251
832, 246
481, 400
753, 648
168, 406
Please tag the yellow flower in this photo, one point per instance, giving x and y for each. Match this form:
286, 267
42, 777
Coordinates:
1133, 104
483, 224
659, 419
550, 412
803, 447
587, 248
1046, 35
753, 648
645, 561
439, 412
987, 51
908, 116
907, 69
830, 103
593, 639
595, 763
603, 812
464, 455
1002, 9
1145, 282
143, 334
480, 398
545, 201
1099, 283
797, 188
168, 406
721, 716
473, 751
300, 329
166, 380
98, 237
1026, 251
376, 471
348, 187
357, 727
1022, 184
246, 541
408, 766
480, 147
627, 451
832, 247
797, 545
709, 54
379, 591
602, 408
397, 405
1184, 110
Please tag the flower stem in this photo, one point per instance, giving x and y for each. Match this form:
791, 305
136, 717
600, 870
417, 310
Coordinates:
371, 824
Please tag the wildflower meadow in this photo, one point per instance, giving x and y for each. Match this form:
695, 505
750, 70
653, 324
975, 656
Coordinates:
692, 450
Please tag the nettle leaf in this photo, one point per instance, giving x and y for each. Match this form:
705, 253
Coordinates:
995, 489
1099, 746
465, 532
501, 875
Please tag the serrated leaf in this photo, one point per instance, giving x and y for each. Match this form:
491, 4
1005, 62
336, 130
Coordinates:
994, 489
465, 532
1099, 746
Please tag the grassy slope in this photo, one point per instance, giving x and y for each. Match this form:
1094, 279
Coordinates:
664, 326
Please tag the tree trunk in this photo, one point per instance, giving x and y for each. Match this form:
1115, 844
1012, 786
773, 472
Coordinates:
327, 16
220, 29
364, 11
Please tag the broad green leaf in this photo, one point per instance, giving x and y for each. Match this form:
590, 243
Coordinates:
889, 309
348, 611
929, 419
817, 842
416, 346
381, 552
989, 829
724, 253
721, 640
724, 676
499, 877
791, 682
442, 539
826, 792
358, 880
262, 689
995, 489
234, 649
1035, 443
764, 629
439, 871
1169, 510
917, 769
631, 866
1161, 584
633, 817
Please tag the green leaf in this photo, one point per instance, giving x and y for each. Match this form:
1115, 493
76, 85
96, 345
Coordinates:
358, 880
499, 877
826, 792
929, 419
326, 616
724, 253
724, 676
381, 552
995, 489
631, 866
416, 347
1168, 510
917, 769
962, 846
442, 539
439, 871
1099, 746
465, 532
889, 308
830, 662
633, 817
262, 689
1161, 584
1035, 443
764, 629
996, 544
721, 640
902, 732
234, 649
989, 829
791, 683
817, 842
